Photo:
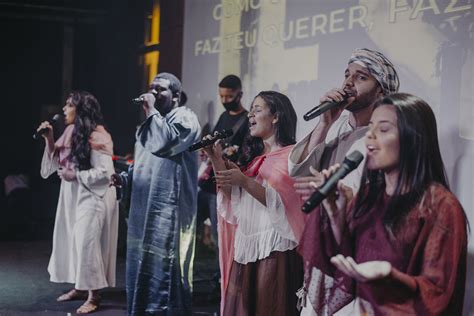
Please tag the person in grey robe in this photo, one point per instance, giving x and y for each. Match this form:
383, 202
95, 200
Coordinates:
163, 202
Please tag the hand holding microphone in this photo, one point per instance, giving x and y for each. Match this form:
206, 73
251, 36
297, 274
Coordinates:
67, 174
334, 99
211, 139
141, 99
138, 101
147, 101
350, 163
45, 129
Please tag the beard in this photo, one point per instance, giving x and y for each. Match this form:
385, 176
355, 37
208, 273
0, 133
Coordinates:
363, 101
164, 106
357, 106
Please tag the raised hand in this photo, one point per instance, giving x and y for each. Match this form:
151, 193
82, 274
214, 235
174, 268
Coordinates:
336, 202
149, 100
231, 165
305, 186
48, 134
213, 151
67, 174
230, 151
362, 272
231, 176
202, 155
336, 95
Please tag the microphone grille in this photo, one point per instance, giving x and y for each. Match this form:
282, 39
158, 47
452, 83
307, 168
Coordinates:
354, 159
56, 117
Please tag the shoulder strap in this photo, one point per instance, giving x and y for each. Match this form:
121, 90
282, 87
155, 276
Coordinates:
236, 127
239, 123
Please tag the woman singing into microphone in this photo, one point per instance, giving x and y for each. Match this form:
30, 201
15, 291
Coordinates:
85, 230
260, 268
400, 246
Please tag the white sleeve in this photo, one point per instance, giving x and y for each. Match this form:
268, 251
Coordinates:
97, 178
49, 163
277, 214
301, 169
228, 208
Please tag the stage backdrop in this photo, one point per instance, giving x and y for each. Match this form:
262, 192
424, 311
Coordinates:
301, 48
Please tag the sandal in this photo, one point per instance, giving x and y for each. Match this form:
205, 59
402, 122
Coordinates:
72, 295
89, 306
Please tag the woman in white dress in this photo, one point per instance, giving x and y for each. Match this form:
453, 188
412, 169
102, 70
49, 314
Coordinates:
86, 226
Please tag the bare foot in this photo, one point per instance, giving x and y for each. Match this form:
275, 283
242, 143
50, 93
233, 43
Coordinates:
72, 295
89, 306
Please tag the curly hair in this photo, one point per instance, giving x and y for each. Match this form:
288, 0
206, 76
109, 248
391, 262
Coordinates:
88, 116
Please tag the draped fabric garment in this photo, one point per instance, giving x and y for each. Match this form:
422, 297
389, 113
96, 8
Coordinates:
86, 224
161, 225
341, 140
271, 170
427, 250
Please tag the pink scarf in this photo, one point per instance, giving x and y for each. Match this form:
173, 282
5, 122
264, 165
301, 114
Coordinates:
272, 167
99, 140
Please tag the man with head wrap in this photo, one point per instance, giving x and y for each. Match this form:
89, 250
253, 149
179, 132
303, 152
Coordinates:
368, 76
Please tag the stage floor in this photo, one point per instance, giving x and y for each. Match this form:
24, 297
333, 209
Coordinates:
25, 288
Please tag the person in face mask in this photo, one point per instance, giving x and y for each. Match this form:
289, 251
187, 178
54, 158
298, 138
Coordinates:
234, 117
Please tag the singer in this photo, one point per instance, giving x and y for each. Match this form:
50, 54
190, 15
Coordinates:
162, 183
86, 226
368, 76
235, 118
400, 246
260, 271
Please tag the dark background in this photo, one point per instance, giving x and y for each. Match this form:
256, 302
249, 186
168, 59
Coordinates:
50, 47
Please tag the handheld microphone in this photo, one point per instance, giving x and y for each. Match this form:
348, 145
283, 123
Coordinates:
350, 163
206, 142
38, 134
138, 101
324, 107
141, 100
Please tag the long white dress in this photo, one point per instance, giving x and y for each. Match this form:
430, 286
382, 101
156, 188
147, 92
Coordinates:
86, 226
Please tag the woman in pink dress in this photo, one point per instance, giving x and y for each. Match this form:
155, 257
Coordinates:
260, 268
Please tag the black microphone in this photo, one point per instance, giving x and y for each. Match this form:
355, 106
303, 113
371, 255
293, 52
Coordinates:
350, 163
38, 134
324, 107
206, 142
